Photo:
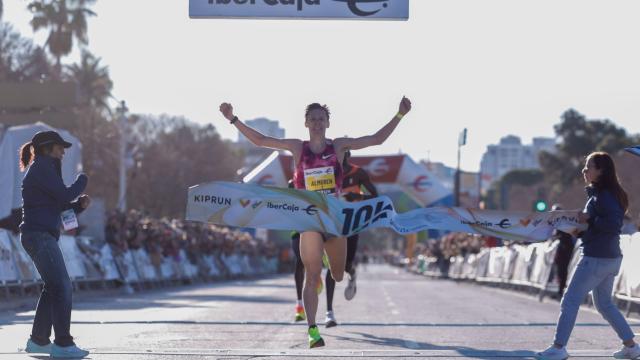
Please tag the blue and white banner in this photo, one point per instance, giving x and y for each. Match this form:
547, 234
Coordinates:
246, 205
301, 9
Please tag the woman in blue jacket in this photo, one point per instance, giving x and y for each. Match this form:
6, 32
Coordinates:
601, 258
46, 205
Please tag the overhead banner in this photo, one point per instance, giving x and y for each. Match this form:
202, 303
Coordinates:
301, 9
246, 205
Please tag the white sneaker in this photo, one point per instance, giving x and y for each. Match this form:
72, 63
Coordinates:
628, 352
553, 353
330, 320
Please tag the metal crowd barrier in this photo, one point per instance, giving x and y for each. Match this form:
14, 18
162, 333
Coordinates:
532, 266
88, 264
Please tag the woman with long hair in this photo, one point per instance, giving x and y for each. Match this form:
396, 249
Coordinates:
600, 261
318, 167
48, 204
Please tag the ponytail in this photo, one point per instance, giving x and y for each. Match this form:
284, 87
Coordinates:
26, 155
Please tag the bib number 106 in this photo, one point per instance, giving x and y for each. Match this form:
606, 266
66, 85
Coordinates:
357, 219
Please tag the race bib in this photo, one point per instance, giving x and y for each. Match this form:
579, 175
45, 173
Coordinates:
321, 179
69, 220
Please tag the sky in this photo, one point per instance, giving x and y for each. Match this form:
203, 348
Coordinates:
496, 67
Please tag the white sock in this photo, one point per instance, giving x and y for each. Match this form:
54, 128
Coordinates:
298, 302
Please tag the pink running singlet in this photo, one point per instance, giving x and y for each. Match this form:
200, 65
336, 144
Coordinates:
318, 172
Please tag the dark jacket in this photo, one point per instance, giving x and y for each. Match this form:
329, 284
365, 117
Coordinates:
602, 237
45, 196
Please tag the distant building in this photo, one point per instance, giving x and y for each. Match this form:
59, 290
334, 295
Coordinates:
254, 154
511, 154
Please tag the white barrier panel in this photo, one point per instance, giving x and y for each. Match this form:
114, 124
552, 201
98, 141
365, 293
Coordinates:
26, 268
510, 255
189, 270
72, 256
496, 263
245, 266
232, 263
468, 267
82, 260
521, 267
143, 264
167, 270
108, 264
630, 272
532, 265
91, 257
543, 263
127, 267
258, 264
455, 267
482, 263
273, 265
8, 270
211, 263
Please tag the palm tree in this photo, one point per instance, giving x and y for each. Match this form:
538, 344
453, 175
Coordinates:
65, 19
92, 79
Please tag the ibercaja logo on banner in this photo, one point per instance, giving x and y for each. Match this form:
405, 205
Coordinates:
309, 9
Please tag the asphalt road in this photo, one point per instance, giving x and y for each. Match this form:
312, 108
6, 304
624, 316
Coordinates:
394, 315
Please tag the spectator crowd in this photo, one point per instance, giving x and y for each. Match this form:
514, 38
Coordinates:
182, 240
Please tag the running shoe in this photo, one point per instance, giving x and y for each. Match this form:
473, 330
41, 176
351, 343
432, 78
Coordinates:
628, 352
325, 260
67, 352
330, 320
553, 353
300, 313
315, 340
350, 290
34, 348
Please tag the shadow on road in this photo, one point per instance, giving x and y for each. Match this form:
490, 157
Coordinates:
465, 351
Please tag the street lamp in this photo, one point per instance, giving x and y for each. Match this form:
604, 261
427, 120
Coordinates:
122, 127
462, 140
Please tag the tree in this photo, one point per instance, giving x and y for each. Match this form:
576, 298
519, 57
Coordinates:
94, 83
581, 136
498, 195
65, 20
173, 157
578, 137
20, 59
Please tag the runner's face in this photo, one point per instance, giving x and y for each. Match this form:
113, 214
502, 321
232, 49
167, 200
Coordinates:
317, 121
